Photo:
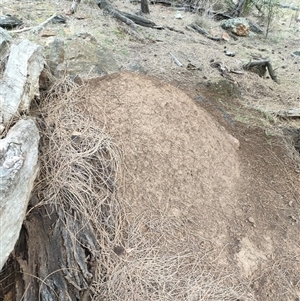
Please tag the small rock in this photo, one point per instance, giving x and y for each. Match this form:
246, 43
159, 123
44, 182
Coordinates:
290, 203
56, 56
178, 15
296, 53
229, 53
80, 17
47, 33
9, 22
119, 250
225, 36
252, 221
191, 67
76, 136
59, 19
238, 26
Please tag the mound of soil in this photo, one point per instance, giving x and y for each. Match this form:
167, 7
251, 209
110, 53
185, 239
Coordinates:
176, 155
208, 192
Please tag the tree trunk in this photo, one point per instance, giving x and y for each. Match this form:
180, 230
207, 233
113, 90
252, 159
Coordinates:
145, 7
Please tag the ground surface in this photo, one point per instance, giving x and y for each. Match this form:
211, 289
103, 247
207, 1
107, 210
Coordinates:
207, 170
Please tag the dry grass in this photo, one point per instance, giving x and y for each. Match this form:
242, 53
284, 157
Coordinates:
141, 257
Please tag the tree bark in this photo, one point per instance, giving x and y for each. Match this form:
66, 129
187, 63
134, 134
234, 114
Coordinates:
54, 258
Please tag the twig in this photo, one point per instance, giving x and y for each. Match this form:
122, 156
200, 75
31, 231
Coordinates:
176, 61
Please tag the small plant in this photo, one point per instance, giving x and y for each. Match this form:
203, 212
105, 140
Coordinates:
271, 8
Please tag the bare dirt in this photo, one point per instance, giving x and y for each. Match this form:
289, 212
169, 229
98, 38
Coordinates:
207, 170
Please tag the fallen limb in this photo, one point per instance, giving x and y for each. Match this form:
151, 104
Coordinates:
36, 29
204, 32
138, 20
291, 113
174, 29
262, 66
129, 19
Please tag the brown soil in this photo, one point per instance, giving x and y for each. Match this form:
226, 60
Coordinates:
240, 202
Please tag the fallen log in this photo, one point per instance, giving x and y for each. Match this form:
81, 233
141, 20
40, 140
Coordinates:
20, 82
291, 113
138, 20
18, 170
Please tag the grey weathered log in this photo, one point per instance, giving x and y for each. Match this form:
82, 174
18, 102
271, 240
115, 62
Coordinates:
291, 113
204, 32
139, 20
20, 82
18, 170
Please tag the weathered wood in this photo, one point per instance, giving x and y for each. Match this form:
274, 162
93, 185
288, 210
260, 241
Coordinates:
54, 258
204, 32
129, 19
291, 113
5, 41
176, 61
139, 20
263, 65
21, 79
18, 170
145, 7
38, 28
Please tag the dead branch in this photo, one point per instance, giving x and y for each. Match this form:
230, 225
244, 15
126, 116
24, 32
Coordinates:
129, 19
36, 29
291, 113
204, 32
262, 66
138, 20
